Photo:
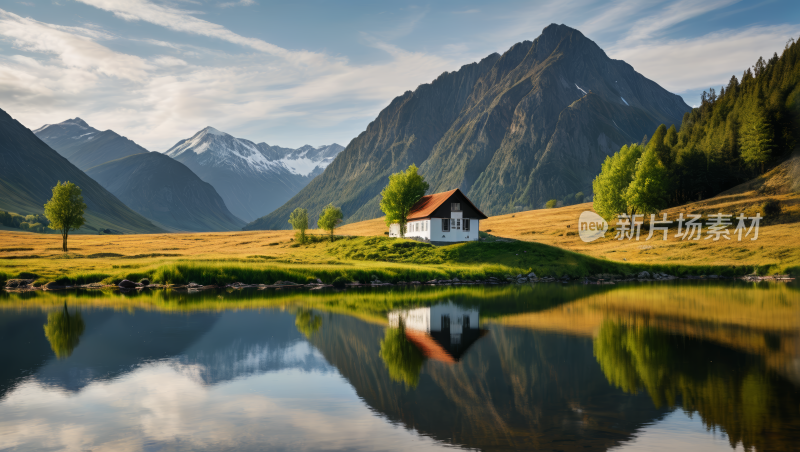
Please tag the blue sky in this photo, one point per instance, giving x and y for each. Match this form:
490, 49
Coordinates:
317, 72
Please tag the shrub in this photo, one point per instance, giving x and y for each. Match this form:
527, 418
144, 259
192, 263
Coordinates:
340, 282
771, 209
551, 204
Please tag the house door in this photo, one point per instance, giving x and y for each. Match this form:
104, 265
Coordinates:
445, 323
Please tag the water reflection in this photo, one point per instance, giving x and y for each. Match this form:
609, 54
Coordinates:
571, 368
64, 331
401, 356
307, 322
729, 390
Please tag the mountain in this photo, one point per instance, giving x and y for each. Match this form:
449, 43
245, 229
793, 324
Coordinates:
84, 145
511, 130
29, 169
253, 179
167, 192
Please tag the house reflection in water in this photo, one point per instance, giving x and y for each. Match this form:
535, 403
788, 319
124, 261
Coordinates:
442, 332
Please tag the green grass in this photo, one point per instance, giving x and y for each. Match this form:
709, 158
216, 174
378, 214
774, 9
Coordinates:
509, 257
353, 258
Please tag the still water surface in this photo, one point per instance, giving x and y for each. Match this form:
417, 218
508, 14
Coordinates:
679, 367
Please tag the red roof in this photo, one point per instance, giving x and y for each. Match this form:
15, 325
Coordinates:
425, 207
429, 347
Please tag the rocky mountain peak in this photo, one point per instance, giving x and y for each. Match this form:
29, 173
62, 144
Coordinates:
76, 121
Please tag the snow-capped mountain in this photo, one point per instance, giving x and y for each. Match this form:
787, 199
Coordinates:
253, 179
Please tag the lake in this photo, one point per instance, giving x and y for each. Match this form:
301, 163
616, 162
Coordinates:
663, 366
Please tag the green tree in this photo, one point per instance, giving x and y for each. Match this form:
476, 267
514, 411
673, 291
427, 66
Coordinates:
399, 196
307, 322
659, 145
330, 218
551, 204
63, 331
402, 358
756, 138
579, 197
671, 138
612, 183
647, 192
65, 210
299, 221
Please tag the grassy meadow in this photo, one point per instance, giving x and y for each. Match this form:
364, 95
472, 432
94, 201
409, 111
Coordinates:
543, 241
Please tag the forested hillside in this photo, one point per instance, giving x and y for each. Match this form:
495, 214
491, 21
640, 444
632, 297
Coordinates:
736, 134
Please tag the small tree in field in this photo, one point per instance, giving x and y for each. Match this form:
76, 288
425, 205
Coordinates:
299, 221
404, 190
612, 183
551, 204
330, 218
647, 192
65, 210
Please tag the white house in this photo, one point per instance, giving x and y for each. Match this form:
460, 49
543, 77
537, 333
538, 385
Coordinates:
442, 332
442, 218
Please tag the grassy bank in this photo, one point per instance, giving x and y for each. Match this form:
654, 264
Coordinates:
543, 241
227, 258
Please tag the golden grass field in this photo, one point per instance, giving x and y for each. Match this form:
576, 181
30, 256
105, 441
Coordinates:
776, 250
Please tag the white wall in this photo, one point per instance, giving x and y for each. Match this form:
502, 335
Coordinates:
430, 319
454, 235
423, 233
433, 230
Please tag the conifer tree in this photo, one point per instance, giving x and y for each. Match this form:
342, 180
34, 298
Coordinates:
756, 138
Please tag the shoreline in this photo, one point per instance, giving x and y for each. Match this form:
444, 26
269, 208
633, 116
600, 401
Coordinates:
28, 286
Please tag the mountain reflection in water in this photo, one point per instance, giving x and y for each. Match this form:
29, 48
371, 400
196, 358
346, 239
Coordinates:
557, 368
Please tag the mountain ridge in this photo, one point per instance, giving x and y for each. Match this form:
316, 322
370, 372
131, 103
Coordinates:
166, 192
84, 145
502, 130
29, 169
252, 178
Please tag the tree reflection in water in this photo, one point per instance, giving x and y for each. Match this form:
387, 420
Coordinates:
728, 389
307, 322
63, 331
402, 358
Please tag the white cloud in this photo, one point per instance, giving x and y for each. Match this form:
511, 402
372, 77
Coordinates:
675, 13
166, 405
75, 47
238, 3
184, 21
159, 100
707, 61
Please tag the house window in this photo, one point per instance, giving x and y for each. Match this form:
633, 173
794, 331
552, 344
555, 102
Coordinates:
466, 224
465, 323
452, 224
458, 223
455, 206
445, 225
